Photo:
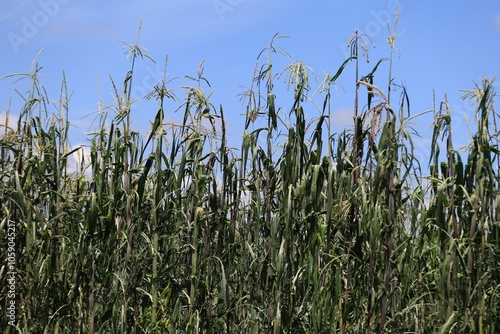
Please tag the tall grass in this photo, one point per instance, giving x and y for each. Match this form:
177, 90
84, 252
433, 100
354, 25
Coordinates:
300, 230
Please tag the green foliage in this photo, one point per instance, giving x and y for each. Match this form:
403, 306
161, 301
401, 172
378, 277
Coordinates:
300, 231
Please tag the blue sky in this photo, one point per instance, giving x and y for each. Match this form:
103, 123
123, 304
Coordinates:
444, 48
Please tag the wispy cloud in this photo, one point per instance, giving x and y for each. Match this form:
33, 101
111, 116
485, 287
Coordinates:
89, 29
343, 118
497, 20
11, 8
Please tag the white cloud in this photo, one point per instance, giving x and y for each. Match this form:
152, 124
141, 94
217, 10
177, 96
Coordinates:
497, 20
75, 160
343, 118
9, 121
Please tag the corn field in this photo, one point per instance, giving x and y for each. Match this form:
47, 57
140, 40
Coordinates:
298, 230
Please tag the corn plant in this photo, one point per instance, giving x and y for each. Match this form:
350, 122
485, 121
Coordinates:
299, 230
